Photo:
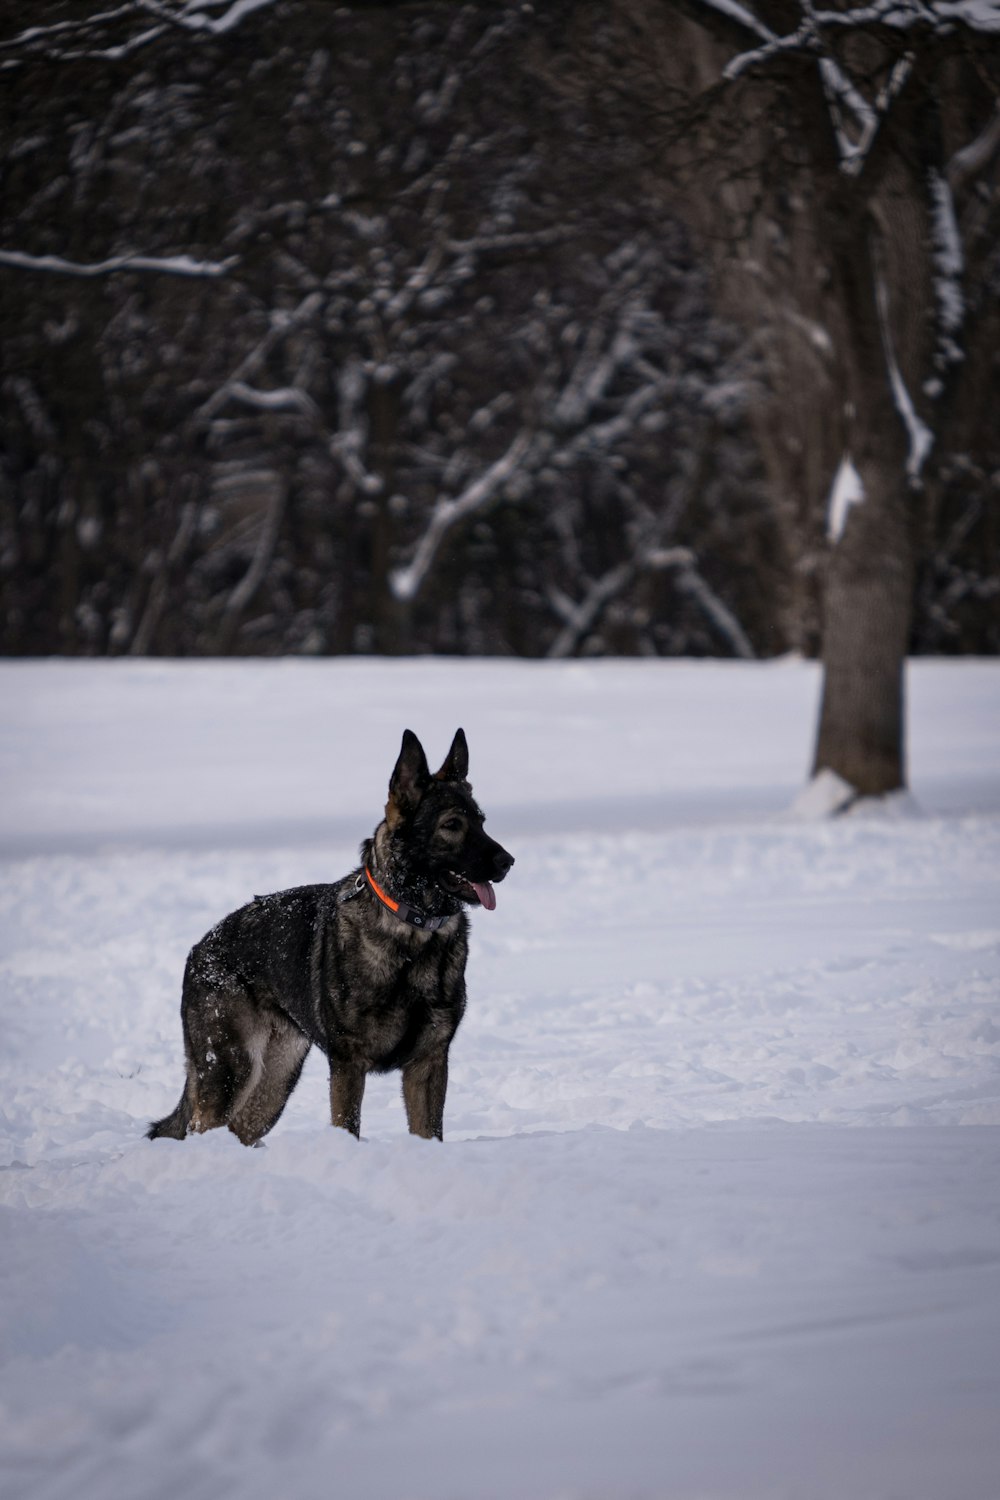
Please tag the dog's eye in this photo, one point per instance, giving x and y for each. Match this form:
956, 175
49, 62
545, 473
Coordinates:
452, 825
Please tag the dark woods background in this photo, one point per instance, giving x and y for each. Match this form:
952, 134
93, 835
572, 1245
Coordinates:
487, 340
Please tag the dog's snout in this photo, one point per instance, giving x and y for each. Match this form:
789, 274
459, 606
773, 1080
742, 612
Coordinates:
502, 862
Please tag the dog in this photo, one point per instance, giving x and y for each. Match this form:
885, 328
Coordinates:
371, 969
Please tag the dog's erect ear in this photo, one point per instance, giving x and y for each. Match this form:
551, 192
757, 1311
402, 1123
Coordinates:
409, 780
456, 762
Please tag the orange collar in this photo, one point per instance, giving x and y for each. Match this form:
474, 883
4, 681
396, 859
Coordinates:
400, 909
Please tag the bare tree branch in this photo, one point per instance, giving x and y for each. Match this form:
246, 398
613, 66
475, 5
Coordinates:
580, 618
263, 552
971, 159
692, 582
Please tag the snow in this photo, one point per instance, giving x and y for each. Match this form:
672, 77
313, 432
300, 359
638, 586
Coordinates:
826, 794
718, 1209
846, 490
978, 15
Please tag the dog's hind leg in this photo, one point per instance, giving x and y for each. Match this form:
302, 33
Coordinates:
214, 1079
217, 1064
277, 1055
218, 1024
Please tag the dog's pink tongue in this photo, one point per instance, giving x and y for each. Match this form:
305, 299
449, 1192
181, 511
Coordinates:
486, 894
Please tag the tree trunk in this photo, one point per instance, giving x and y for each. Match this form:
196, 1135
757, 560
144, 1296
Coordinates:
868, 596
866, 626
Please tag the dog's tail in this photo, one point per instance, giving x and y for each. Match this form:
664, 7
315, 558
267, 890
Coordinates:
174, 1126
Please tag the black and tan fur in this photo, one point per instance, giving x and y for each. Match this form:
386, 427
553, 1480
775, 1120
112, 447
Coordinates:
331, 965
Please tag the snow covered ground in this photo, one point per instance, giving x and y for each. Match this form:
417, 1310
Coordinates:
674, 1245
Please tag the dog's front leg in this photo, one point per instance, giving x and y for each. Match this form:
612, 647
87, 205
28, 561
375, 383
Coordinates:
347, 1089
425, 1084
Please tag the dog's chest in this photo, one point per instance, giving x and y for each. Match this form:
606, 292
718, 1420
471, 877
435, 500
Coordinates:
387, 1007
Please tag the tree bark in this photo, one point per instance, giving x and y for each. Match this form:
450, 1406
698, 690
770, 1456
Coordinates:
867, 609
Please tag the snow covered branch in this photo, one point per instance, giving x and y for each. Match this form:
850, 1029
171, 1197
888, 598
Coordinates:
855, 118
581, 617
286, 398
170, 265
503, 244
82, 37
971, 159
803, 39
855, 147
600, 359
282, 324
193, 15
351, 438
921, 439
692, 582
406, 582
248, 585
117, 33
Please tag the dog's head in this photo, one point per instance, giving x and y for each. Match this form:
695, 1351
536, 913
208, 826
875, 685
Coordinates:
436, 827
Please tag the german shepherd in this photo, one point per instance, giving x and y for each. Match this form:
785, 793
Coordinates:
371, 969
